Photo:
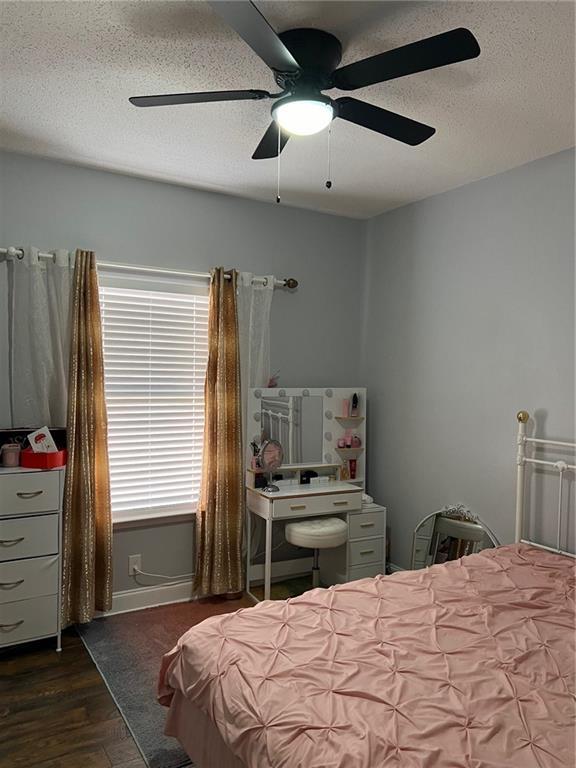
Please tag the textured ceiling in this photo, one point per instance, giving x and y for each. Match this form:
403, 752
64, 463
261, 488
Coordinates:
68, 68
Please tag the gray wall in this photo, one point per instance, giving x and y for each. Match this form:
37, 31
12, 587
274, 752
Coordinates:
469, 316
131, 220
467, 297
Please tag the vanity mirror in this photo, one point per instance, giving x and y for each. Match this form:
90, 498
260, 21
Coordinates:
317, 428
449, 534
270, 458
295, 422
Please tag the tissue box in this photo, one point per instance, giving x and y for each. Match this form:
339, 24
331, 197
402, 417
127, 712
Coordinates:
33, 460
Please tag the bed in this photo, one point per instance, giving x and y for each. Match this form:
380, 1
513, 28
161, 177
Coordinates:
469, 664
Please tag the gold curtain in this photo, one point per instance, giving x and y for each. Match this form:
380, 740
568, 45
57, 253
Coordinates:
220, 514
87, 519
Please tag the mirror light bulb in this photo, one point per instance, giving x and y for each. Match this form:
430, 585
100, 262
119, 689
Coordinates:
303, 117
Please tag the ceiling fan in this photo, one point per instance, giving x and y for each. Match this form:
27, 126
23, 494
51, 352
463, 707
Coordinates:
305, 62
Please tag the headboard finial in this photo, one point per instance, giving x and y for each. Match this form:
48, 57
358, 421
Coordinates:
523, 416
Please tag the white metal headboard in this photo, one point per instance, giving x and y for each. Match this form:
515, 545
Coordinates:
522, 460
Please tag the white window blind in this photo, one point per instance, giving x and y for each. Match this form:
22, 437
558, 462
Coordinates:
155, 357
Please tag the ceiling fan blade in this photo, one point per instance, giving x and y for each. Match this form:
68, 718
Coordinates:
382, 121
246, 19
438, 51
169, 99
268, 146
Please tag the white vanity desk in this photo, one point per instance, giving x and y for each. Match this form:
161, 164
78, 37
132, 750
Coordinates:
363, 554
312, 424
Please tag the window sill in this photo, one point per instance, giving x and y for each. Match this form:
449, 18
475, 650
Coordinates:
152, 520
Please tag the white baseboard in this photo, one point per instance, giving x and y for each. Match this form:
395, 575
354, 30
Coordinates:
393, 567
149, 597
282, 568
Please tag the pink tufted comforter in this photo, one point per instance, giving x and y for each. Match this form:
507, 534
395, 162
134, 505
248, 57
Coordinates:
470, 664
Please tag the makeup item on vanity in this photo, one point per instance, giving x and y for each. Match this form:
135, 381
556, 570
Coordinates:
305, 477
10, 454
354, 405
352, 465
260, 480
348, 440
341, 442
344, 472
356, 442
346, 407
254, 447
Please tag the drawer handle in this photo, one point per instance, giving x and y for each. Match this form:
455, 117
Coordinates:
13, 625
340, 503
297, 506
11, 584
11, 542
366, 551
28, 494
366, 525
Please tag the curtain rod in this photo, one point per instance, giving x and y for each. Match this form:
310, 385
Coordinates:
288, 282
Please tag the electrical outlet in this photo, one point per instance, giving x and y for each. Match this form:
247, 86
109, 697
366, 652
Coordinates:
134, 562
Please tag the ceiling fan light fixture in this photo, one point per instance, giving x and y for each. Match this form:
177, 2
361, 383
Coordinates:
303, 116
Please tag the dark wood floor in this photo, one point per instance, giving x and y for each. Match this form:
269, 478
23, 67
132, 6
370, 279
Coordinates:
56, 712
55, 709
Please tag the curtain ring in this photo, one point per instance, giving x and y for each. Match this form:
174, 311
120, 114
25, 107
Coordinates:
18, 252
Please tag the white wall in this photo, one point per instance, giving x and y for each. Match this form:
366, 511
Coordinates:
469, 316
131, 220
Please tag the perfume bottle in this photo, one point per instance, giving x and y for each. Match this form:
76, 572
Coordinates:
354, 405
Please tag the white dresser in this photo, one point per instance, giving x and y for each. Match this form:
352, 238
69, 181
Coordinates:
30, 564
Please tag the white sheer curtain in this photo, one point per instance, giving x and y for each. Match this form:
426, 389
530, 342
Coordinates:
38, 322
254, 302
253, 305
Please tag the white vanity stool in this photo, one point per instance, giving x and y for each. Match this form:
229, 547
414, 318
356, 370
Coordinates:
317, 534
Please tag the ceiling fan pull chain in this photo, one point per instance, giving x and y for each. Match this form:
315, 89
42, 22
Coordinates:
329, 174
278, 165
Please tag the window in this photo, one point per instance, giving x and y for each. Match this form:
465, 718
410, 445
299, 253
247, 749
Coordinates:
155, 337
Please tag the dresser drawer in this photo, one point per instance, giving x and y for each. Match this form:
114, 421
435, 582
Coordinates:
365, 571
304, 506
28, 619
366, 551
23, 579
28, 537
366, 524
24, 493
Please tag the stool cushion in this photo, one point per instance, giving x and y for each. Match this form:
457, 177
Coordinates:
318, 533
